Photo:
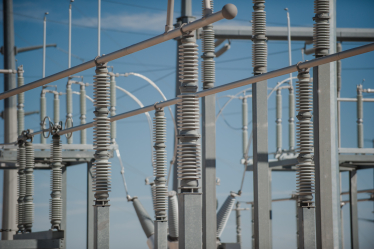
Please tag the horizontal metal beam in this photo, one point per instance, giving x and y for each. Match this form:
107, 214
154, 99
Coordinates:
40, 235
228, 11
8, 71
354, 100
297, 33
359, 191
31, 243
356, 150
25, 49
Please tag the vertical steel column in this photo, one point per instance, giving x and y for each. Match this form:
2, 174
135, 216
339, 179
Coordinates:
305, 166
21, 158
360, 118
113, 126
160, 170
238, 224
189, 165
261, 189
291, 120
43, 114
44, 41
339, 87
83, 113
10, 125
186, 17
353, 209
101, 177
69, 110
278, 121
64, 198
69, 36
244, 128
28, 205
21, 101
325, 135
208, 136
90, 209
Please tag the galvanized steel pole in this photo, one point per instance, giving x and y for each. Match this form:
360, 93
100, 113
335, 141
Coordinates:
69, 37
44, 40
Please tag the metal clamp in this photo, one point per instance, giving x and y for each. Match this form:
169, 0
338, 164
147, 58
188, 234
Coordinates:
72, 124
56, 128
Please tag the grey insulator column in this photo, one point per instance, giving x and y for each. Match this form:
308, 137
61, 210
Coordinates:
224, 213
238, 224
188, 157
69, 110
82, 97
173, 216
21, 102
56, 108
21, 158
113, 126
360, 118
144, 219
278, 121
291, 119
160, 169
43, 114
305, 166
101, 165
29, 173
56, 179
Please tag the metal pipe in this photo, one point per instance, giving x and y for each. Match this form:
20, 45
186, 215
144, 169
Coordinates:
228, 11
354, 100
289, 41
44, 40
291, 119
339, 87
360, 116
169, 16
244, 128
69, 50
21, 102
8, 71
278, 121
98, 26
69, 110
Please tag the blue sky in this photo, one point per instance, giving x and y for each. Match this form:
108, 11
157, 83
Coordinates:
124, 24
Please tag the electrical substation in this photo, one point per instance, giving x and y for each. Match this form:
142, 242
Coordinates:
186, 213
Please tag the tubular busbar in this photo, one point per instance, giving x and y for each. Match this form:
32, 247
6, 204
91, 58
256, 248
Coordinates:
236, 84
228, 11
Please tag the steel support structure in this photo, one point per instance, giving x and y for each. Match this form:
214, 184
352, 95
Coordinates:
353, 209
208, 105
261, 183
9, 226
90, 209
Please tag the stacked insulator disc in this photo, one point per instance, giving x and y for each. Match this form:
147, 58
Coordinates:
56, 183
208, 64
160, 168
224, 213
188, 149
173, 215
259, 45
21, 185
28, 200
101, 172
321, 28
305, 166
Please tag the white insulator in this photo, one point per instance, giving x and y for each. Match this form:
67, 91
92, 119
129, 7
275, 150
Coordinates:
173, 215
188, 149
29, 200
101, 172
43, 114
224, 213
259, 45
83, 113
305, 166
321, 29
160, 167
56, 183
21, 158
21, 101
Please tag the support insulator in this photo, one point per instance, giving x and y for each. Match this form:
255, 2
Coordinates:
259, 45
173, 216
21, 102
224, 213
29, 199
188, 157
43, 114
360, 117
83, 113
278, 121
321, 28
144, 218
101, 176
69, 110
56, 180
56, 109
244, 127
160, 167
113, 125
208, 64
238, 224
21, 161
305, 166
291, 120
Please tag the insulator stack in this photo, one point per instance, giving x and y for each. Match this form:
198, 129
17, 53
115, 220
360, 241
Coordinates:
101, 172
160, 167
56, 183
144, 218
83, 112
29, 199
208, 64
21, 158
321, 28
43, 113
259, 45
153, 194
224, 213
113, 126
21, 102
69, 110
188, 157
173, 215
305, 166
360, 118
